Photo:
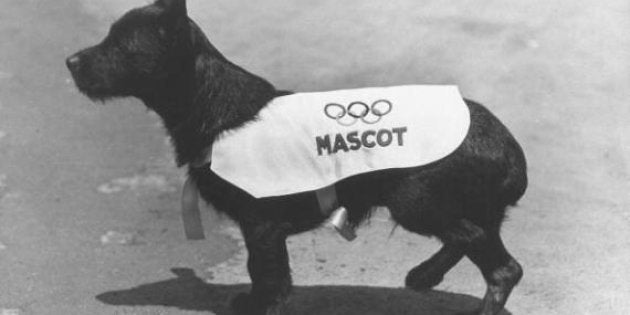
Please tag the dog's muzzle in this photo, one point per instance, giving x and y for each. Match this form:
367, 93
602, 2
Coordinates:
73, 63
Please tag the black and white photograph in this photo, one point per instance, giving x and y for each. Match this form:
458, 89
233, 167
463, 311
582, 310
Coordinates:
279, 157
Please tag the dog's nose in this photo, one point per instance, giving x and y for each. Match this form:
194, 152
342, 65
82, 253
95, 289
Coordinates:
73, 62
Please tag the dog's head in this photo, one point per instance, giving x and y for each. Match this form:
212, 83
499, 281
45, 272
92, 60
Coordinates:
144, 48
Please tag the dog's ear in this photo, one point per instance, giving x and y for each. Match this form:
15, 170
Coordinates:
174, 15
177, 7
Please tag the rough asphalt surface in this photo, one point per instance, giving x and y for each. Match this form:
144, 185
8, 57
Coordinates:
89, 194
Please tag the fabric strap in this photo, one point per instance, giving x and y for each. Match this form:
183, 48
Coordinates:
191, 215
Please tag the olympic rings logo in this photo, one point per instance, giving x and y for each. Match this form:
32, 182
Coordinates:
358, 111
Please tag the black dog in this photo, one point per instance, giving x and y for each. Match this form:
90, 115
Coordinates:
156, 53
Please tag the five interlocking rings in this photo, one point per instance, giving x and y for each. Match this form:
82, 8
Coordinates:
358, 110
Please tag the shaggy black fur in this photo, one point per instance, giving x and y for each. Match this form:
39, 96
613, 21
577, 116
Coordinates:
156, 53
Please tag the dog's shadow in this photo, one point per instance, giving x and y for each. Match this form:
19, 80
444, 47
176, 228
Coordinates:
189, 292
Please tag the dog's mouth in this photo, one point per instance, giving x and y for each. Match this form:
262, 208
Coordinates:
92, 88
94, 92
98, 96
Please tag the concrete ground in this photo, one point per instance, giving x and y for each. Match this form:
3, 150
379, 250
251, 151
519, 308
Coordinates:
89, 194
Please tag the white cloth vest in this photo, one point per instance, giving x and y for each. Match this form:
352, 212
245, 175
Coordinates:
308, 141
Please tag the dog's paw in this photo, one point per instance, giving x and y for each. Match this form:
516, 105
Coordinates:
423, 278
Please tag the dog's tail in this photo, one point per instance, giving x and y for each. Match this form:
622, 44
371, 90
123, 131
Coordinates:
515, 182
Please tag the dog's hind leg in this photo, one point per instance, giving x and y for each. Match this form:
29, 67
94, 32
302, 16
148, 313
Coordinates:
431, 272
456, 240
268, 266
500, 270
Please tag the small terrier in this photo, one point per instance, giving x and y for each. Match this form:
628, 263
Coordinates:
159, 55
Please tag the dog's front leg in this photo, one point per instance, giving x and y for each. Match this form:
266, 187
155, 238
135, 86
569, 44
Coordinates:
268, 266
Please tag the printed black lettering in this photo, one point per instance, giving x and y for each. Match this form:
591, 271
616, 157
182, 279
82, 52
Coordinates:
364, 139
399, 133
384, 137
340, 144
355, 142
323, 143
